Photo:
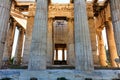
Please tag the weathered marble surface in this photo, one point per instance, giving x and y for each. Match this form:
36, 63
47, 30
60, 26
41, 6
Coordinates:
4, 19
111, 43
83, 50
54, 74
38, 51
92, 30
50, 45
9, 42
28, 36
14, 74
110, 37
70, 43
101, 48
115, 12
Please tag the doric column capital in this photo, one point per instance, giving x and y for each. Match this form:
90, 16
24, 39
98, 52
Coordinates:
14, 23
31, 10
70, 19
50, 19
90, 12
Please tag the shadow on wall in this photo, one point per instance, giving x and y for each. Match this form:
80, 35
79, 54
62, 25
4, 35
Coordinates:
62, 78
33, 78
6, 78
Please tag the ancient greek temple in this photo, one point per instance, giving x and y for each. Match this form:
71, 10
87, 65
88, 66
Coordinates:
43, 40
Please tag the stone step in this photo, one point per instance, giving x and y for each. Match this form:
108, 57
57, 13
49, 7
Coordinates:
60, 67
60, 73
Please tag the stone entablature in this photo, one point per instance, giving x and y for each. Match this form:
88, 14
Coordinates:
66, 10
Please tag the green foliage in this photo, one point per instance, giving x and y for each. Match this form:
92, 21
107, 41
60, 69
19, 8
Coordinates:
61, 78
11, 60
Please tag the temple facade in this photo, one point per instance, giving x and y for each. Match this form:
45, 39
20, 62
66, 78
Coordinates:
40, 40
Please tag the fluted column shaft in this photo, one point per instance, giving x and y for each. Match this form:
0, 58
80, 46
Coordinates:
101, 48
92, 30
9, 41
111, 43
115, 11
93, 40
39, 38
84, 60
28, 36
18, 53
70, 45
50, 42
56, 54
63, 54
4, 19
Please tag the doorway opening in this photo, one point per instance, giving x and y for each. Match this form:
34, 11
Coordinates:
60, 54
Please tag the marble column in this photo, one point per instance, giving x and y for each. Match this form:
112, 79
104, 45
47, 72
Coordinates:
50, 42
70, 44
92, 29
38, 51
4, 19
28, 36
18, 53
101, 48
115, 11
9, 41
56, 54
63, 54
83, 52
111, 43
